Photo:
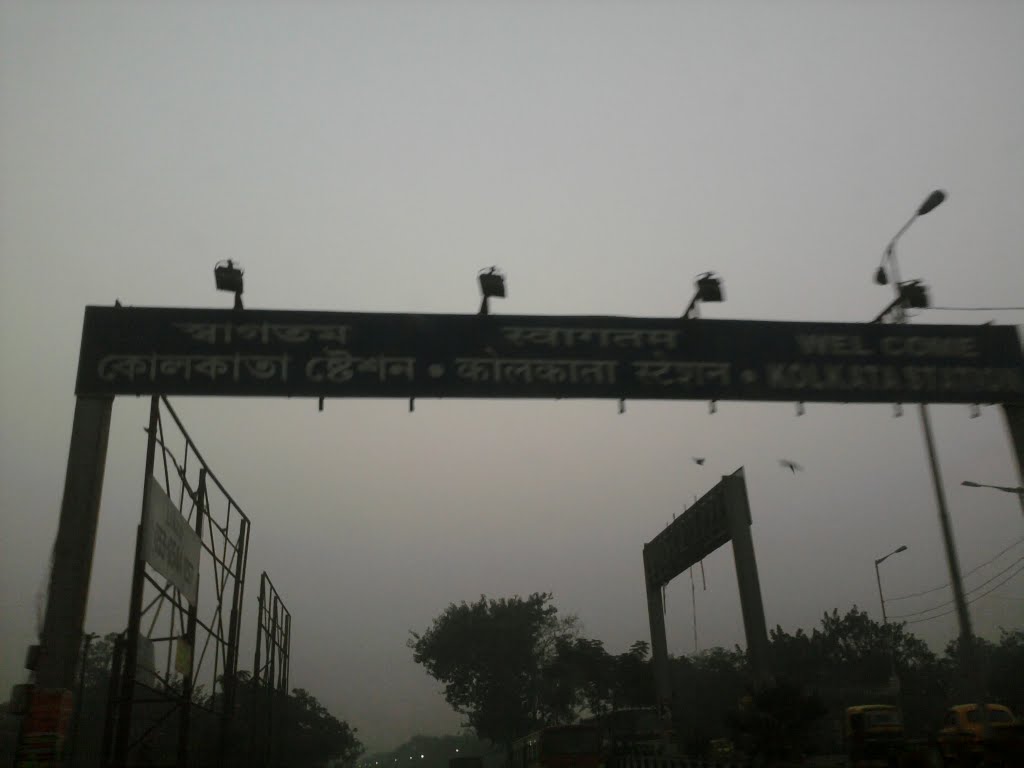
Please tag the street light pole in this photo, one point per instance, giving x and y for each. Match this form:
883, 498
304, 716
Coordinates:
881, 600
963, 616
878, 578
1018, 490
894, 679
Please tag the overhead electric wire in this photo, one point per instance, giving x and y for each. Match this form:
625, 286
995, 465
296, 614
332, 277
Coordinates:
977, 597
1016, 562
977, 309
1012, 565
974, 570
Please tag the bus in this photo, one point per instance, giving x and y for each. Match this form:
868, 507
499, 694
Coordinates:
559, 746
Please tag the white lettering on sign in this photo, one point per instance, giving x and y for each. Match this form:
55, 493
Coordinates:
235, 367
169, 544
289, 333
833, 345
925, 346
621, 338
837, 377
833, 377
487, 369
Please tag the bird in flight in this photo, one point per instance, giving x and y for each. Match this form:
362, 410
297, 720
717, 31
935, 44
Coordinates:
792, 466
699, 461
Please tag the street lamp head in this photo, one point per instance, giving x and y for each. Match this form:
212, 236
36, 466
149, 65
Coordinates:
709, 287
228, 277
913, 294
492, 285
971, 484
933, 201
901, 548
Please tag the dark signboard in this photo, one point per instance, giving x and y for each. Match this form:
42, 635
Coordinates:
338, 354
694, 535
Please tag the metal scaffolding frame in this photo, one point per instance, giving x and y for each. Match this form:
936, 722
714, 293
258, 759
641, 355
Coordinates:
271, 665
180, 658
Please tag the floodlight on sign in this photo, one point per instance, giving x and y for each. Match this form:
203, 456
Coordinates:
228, 277
709, 287
492, 285
914, 294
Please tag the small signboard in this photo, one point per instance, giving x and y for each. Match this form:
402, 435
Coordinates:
692, 536
145, 662
183, 657
168, 542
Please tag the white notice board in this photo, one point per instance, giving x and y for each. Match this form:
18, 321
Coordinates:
169, 544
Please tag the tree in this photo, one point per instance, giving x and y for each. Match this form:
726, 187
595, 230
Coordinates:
91, 705
297, 727
1005, 670
848, 649
705, 687
1001, 665
496, 659
314, 736
632, 678
850, 658
775, 721
866, 649
799, 656
584, 678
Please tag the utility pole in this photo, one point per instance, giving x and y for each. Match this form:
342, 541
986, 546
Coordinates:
912, 294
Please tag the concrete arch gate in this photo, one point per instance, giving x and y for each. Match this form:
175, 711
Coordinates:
238, 353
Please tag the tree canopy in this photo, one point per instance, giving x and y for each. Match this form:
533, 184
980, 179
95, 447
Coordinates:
511, 665
491, 656
311, 736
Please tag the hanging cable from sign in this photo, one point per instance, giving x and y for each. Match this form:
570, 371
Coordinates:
693, 598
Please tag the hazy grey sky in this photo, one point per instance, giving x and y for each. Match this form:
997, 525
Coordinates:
373, 156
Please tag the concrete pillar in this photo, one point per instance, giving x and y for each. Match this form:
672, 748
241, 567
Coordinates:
73, 551
737, 509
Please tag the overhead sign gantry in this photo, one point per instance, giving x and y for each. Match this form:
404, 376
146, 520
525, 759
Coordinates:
329, 354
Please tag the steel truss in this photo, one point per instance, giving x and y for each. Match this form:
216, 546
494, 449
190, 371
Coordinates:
176, 680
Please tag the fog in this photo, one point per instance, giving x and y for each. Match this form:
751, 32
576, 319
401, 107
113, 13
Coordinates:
373, 157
